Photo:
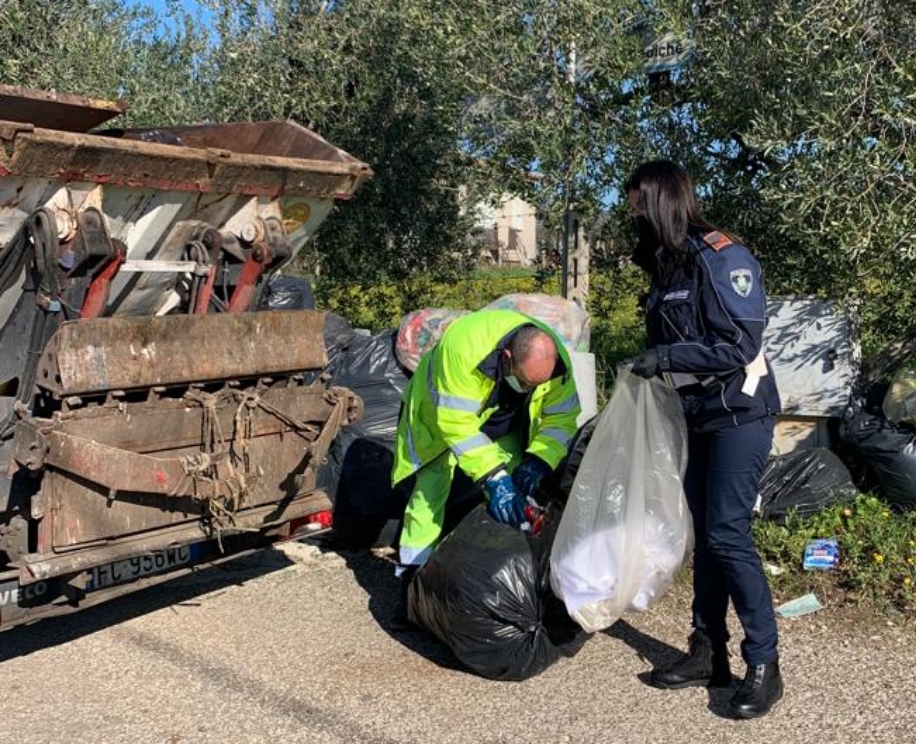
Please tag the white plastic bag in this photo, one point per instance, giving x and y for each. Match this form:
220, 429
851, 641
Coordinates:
626, 529
900, 401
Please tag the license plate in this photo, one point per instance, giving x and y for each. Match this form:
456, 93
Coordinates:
140, 565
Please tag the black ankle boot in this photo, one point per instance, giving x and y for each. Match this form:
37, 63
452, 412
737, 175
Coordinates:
704, 665
761, 688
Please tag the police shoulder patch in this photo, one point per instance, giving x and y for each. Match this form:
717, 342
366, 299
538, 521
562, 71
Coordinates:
742, 281
716, 240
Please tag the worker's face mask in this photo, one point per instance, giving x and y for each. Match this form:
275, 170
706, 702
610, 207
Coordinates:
512, 382
509, 376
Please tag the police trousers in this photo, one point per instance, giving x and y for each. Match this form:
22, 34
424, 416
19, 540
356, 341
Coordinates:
723, 474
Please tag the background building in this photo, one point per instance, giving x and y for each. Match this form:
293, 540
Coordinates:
507, 232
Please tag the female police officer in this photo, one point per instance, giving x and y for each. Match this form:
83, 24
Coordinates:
705, 316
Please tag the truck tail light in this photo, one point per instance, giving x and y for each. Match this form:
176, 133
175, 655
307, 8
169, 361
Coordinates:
310, 524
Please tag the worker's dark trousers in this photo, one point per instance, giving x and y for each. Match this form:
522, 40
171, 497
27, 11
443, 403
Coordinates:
723, 475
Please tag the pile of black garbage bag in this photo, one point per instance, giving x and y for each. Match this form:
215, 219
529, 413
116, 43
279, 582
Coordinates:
357, 475
806, 481
882, 454
485, 591
869, 453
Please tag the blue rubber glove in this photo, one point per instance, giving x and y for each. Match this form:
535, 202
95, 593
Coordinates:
505, 504
528, 476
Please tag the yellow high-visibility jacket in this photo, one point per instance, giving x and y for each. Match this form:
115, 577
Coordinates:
453, 393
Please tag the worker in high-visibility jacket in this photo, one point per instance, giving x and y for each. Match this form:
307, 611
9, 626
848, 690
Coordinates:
495, 397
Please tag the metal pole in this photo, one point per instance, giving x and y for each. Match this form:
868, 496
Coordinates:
564, 289
571, 78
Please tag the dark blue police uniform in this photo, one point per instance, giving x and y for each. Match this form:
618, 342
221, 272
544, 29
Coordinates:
705, 321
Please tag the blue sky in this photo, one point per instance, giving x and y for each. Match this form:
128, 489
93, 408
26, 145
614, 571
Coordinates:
161, 7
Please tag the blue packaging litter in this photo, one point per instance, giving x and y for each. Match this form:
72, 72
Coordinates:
821, 554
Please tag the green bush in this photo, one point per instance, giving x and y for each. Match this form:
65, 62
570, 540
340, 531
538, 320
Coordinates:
618, 331
382, 305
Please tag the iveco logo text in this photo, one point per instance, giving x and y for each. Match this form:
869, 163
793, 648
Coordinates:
29, 591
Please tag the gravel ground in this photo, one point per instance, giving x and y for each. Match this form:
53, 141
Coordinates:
294, 645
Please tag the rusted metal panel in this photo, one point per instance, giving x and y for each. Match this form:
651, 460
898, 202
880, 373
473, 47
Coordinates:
172, 423
284, 139
120, 470
124, 473
52, 110
40, 566
127, 353
65, 156
275, 176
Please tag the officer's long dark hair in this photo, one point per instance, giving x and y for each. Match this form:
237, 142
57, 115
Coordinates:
669, 200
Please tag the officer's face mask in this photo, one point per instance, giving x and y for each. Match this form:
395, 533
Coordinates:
644, 252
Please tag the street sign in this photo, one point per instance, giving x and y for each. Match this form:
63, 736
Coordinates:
667, 52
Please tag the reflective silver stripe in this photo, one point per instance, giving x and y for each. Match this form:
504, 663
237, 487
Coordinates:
456, 403
452, 402
563, 406
558, 434
412, 448
412, 557
471, 443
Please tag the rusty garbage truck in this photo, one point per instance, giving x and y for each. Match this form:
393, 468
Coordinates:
152, 419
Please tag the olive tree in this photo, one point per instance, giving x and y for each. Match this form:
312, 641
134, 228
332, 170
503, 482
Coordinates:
387, 83
799, 120
796, 117
104, 49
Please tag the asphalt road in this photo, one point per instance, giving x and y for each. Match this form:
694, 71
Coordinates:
294, 646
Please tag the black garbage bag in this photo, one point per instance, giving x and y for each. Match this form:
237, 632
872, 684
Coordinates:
369, 367
805, 480
357, 475
338, 333
485, 592
558, 485
364, 499
888, 451
287, 293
